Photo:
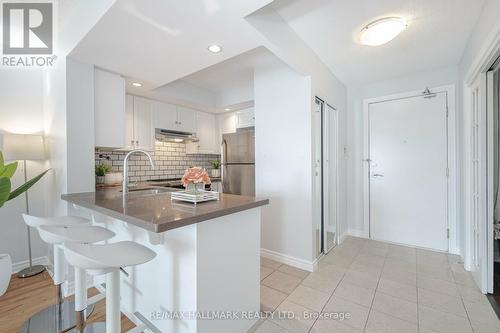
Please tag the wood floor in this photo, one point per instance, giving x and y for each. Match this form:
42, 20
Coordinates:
26, 297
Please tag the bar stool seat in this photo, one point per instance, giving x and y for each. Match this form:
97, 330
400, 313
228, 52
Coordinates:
56, 231
106, 259
55, 234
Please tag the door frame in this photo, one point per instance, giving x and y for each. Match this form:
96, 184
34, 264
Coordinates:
449, 90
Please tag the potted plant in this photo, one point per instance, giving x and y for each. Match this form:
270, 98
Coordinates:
100, 171
215, 168
6, 173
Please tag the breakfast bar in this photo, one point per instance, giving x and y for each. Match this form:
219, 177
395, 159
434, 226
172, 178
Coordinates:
205, 277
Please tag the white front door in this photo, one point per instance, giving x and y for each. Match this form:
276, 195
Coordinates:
408, 171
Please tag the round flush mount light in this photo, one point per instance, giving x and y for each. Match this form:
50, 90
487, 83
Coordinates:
382, 31
227, 109
136, 84
215, 48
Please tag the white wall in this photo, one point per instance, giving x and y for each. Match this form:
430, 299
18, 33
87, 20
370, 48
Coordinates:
355, 138
21, 111
283, 160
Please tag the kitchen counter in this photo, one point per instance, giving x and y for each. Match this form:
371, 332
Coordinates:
156, 212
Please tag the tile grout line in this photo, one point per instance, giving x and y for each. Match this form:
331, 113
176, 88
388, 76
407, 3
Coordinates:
375, 294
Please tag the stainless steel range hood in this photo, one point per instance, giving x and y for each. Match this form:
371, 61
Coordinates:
178, 136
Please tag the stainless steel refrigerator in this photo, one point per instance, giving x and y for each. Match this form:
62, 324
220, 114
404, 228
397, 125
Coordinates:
238, 162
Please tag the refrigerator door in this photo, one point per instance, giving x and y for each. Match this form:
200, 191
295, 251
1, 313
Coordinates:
238, 147
239, 179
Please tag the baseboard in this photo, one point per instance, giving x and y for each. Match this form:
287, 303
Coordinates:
20, 265
309, 266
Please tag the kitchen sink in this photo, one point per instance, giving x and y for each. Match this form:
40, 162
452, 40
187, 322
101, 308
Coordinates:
152, 191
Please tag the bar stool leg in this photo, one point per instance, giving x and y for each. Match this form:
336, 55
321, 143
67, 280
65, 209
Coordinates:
113, 324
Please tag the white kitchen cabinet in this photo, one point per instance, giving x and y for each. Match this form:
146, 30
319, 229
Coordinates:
207, 135
186, 119
139, 130
165, 116
109, 110
245, 118
227, 122
144, 132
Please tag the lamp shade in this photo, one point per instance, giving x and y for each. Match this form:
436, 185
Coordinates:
23, 147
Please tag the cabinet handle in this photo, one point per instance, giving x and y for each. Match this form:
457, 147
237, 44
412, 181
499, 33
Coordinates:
132, 142
137, 142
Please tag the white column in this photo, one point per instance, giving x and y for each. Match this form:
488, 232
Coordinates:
58, 265
113, 302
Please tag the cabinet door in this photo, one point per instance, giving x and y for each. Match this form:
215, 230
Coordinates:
205, 131
246, 118
129, 122
186, 119
165, 116
109, 109
143, 123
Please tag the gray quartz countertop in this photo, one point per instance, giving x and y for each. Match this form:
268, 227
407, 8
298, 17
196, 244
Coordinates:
156, 212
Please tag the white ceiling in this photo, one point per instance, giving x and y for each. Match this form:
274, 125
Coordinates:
160, 41
436, 36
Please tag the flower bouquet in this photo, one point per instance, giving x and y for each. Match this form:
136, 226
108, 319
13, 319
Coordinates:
194, 180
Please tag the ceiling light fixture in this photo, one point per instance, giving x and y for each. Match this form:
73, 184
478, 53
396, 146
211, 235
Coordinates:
215, 48
136, 84
227, 109
382, 31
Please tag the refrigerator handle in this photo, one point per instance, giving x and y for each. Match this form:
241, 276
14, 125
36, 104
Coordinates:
223, 159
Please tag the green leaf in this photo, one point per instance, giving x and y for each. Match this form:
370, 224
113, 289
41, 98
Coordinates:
4, 190
1, 159
8, 170
26, 186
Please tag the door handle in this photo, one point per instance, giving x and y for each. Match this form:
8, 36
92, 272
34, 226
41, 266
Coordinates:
377, 175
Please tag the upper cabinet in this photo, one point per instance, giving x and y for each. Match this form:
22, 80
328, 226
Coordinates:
206, 134
227, 123
245, 118
109, 109
144, 132
174, 118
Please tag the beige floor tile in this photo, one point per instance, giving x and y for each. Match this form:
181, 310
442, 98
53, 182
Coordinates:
370, 260
363, 268
322, 282
332, 326
396, 289
269, 327
326, 268
442, 322
441, 302
301, 320
396, 307
482, 328
464, 279
379, 322
356, 294
439, 286
310, 298
472, 294
337, 260
282, 282
357, 314
435, 272
482, 313
400, 276
270, 298
364, 280
400, 265
265, 272
300, 273
269, 263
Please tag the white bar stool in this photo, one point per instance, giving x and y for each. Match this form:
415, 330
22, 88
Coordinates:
105, 259
60, 316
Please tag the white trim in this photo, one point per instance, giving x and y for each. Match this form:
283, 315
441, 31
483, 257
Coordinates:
453, 246
357, 233
20, 265
486, 56
310, 266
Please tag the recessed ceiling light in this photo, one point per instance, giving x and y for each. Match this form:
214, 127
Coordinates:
382, 31
227, 109
137, 84
215, 48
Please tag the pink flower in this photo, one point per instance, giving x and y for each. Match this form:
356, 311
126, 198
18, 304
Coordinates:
195, 175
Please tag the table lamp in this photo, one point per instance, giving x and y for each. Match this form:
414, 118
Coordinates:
24, 147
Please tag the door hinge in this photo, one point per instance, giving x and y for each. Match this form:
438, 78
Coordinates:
448, 233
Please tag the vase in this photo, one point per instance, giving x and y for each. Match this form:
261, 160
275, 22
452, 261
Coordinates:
99, 179
5, 272
194, 188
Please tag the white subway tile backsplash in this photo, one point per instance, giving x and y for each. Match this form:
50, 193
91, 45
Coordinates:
170, 160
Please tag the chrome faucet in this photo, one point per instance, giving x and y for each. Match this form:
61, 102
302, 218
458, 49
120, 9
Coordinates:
125, 167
